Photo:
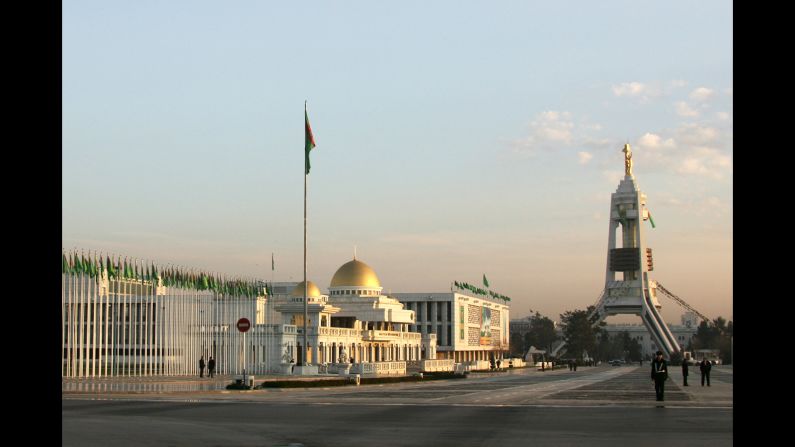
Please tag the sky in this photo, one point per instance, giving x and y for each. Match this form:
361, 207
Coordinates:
454, 139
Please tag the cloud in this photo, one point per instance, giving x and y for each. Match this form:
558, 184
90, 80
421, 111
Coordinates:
697, 134
693, 149
705, 161
678, 83
584, 157
654, 141
549, 130
702, 94
629, 89
682, 109
723, 116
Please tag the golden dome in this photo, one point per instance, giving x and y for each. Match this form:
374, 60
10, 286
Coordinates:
355, 274
311, 290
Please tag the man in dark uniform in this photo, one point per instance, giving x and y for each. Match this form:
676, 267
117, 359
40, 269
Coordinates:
211, 366
685, 368
705, 366
659, 374
201, 366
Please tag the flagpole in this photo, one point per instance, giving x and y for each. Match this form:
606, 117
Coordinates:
306, 307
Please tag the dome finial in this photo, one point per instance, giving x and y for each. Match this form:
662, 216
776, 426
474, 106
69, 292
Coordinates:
354, 252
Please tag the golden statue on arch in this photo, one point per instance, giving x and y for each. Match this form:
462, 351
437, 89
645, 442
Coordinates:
627, 159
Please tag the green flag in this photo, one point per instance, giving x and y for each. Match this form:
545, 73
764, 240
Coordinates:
64, 264
485, 281
78, 264
309, 139
652, 221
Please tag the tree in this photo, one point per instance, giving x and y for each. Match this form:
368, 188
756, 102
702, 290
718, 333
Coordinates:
619, 346
542, 333
579, 332
716, 334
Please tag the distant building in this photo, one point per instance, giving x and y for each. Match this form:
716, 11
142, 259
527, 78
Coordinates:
682, 333
467, 328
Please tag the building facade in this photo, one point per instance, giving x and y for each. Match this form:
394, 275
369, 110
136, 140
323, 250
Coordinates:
467, 328
683, 333
145, 322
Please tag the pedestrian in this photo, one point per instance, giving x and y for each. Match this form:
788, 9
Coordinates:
705, 367
685, 368
201, 366
211, 366
574, 364
659, 374
499, 361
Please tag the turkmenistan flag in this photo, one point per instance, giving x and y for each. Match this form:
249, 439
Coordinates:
651, 220
485, 281
309, 139
78, 266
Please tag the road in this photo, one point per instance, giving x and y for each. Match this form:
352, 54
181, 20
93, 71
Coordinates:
593, 406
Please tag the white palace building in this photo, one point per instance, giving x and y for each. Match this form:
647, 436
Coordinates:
134, 320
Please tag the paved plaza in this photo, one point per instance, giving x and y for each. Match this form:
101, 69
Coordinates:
599, 405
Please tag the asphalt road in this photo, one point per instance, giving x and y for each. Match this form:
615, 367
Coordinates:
593, 406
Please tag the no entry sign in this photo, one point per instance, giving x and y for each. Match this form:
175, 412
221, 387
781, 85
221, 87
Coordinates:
243, 325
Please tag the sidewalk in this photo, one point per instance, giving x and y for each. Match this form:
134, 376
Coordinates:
166, 384
721, 386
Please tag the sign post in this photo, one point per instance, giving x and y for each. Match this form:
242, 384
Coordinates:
243, 325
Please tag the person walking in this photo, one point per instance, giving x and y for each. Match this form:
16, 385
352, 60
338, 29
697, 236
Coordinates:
201, 366
685, 368
659, 374
705, 367
211, 366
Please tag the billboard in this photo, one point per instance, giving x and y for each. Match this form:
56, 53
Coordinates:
485, 326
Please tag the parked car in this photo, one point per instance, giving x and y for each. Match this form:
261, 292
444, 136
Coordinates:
616, 362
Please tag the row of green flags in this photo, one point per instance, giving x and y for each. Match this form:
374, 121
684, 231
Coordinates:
177, 277
479, 291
